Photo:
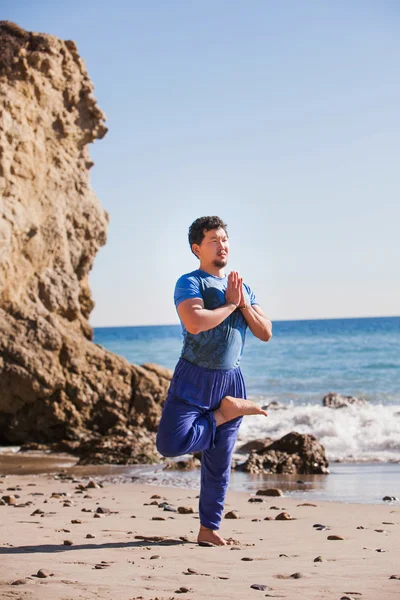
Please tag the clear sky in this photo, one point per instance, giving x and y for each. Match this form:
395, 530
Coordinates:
280, 117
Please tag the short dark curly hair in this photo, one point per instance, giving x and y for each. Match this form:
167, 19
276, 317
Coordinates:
202, 224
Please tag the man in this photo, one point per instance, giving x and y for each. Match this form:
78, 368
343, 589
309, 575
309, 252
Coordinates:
207, 398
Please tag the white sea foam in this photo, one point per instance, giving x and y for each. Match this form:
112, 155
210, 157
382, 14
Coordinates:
368, 433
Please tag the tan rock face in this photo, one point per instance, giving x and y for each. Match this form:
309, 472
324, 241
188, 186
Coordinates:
54, 382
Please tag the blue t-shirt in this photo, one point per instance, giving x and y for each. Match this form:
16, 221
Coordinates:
222, 346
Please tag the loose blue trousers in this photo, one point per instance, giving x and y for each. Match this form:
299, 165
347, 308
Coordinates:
188, 425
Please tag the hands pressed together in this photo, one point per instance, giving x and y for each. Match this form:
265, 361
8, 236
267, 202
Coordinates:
234, 291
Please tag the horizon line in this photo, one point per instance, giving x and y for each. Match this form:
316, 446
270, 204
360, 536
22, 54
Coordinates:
275, 321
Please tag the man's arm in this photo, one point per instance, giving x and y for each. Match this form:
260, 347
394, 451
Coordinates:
258, 323
196, 318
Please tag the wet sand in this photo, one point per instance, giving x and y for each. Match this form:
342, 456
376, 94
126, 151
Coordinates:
135, 549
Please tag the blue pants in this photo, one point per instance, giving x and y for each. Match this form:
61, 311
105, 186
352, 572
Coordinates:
188, 425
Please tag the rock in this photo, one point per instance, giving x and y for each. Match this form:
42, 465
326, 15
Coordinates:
76, 521
283, 516
68, 543
318, 559
103, 510
155, 497
185, 510
158, 519
394, 577
182, 590
258, 586
90, 536
293, 453
389, 498
270, 492
297, 575
93, 484
255, 500
155, 556
335, 537
19, 582
232, 514
247, 559
169, 508
58, 388
9, 499
43, 573
334, 400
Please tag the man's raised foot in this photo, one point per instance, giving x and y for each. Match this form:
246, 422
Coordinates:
231, 408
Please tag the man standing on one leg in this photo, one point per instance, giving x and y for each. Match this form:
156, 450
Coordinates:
207, 397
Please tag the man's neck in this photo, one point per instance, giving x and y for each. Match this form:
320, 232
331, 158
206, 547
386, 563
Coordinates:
213, 270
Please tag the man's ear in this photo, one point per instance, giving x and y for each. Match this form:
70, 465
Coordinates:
196, 249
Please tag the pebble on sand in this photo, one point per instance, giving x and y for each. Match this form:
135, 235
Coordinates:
283, 516
335, 537
259, 586
185, 510
9, 499
92, 484
232, 514
43, 573
68, 542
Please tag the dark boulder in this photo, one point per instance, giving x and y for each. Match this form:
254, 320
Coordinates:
293, 453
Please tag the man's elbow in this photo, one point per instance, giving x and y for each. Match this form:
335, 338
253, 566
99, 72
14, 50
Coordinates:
193, 329
266, 334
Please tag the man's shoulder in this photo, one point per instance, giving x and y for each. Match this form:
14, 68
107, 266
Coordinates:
192, 276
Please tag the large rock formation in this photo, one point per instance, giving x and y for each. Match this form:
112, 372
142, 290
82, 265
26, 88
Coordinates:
55, 383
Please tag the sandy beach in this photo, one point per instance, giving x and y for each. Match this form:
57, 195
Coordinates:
115, 541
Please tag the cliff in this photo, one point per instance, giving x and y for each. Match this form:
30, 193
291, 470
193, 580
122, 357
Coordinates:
55, 383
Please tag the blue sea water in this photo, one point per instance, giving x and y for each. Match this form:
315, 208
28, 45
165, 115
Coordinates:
303, 361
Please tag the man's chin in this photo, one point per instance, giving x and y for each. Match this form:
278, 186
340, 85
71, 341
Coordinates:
220, 263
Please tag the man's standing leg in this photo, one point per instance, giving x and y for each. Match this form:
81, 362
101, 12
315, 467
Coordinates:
215, 475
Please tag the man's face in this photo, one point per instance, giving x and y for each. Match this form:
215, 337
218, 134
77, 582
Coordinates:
214, 248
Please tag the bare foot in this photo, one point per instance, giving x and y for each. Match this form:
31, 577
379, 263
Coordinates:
209, 535
230, 408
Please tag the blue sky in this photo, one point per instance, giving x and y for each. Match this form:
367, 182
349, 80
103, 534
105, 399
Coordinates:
280, 117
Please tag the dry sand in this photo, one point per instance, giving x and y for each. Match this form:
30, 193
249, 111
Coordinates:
120, 563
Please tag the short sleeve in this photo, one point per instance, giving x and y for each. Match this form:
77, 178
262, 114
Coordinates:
252, 296
187, 286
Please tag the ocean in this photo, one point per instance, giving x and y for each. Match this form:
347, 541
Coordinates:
302, 362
